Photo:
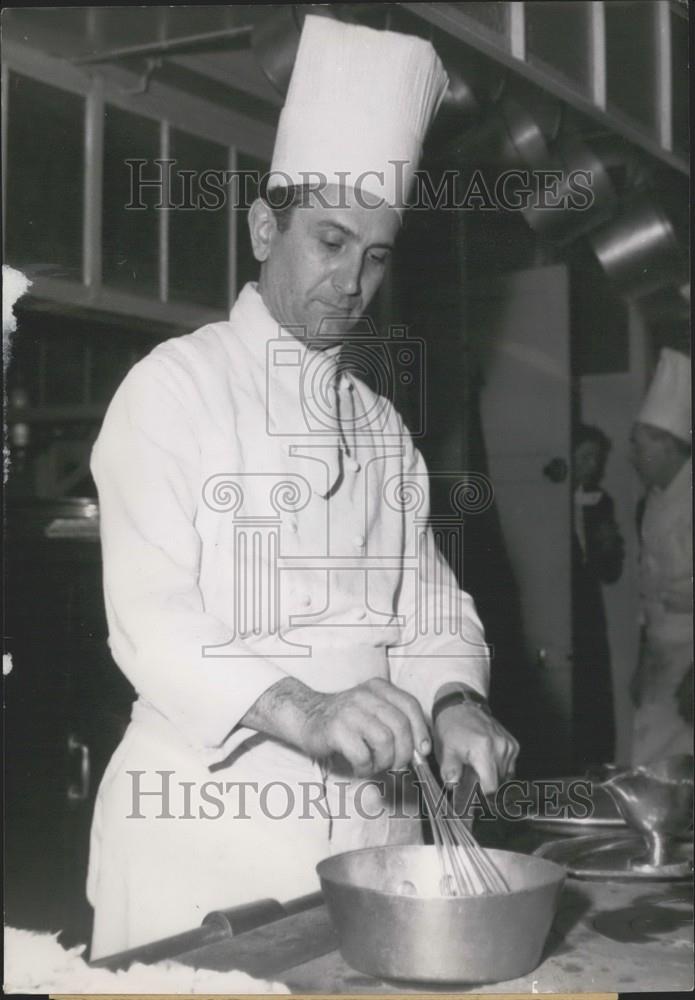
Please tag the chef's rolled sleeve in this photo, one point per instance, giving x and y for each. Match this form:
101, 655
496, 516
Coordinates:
442, 638
146, 464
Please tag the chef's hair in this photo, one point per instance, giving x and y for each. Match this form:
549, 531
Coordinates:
668, 440
588, 432
282, 201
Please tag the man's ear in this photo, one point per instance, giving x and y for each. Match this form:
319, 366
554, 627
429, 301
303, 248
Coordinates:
262, 227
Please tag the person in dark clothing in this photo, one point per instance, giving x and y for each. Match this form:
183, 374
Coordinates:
597, 558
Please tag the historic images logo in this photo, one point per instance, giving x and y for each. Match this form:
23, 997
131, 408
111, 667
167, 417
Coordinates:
160, 795
162, 185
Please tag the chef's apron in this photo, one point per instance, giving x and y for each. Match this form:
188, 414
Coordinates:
659, 730
667, 652
173, 839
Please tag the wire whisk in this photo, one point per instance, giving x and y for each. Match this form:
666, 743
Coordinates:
466, 868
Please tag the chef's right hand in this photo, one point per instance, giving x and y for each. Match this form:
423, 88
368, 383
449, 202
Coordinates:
374, 726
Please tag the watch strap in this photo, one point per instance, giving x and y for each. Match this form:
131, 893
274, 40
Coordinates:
459, 698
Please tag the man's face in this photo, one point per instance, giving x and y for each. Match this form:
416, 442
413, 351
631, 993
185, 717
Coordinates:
588, 464
323, 271
648, 453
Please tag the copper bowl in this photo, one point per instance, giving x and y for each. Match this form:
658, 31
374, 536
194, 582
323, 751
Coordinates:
426, 937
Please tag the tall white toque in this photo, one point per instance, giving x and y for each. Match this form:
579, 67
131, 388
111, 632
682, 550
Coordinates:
667, 404
358, 107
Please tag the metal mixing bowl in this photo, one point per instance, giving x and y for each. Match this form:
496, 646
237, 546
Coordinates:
388, 933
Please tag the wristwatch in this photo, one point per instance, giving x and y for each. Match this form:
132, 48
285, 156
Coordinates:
467, 697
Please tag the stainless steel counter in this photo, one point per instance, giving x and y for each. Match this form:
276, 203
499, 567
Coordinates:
656, 952
607, 937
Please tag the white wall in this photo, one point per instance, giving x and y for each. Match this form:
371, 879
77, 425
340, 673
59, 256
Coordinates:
610, 402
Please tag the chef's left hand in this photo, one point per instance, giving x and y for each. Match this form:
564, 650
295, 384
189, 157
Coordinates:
465, 734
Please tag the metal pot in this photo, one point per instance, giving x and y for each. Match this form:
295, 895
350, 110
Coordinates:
516, 132
474, 82
568, 223
430, 938
275, 40
509, 136
640, 250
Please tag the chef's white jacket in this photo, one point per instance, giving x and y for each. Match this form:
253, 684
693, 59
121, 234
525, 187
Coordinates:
666, 565
263, 514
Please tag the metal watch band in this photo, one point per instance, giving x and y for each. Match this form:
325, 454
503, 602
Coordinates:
459, 698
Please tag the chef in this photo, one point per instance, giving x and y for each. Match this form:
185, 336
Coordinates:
272, 589
662, 684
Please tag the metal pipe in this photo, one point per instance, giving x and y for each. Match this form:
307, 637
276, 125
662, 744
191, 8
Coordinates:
169, 46
217, 926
